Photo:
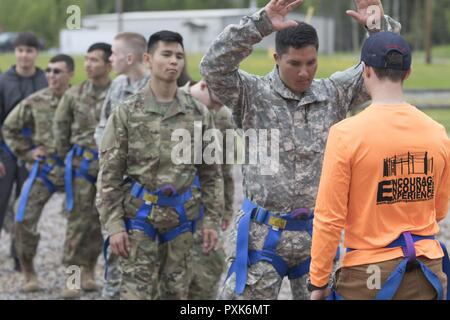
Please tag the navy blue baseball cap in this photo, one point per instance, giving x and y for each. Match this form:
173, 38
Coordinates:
377, 47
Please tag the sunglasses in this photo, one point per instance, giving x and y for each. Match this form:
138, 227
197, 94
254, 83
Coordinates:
54, 71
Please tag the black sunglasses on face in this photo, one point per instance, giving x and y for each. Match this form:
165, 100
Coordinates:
54, 71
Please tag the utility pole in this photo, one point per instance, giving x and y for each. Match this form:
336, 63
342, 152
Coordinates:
428, 41
119, 11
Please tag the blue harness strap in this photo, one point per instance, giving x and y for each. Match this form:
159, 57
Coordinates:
48, 166
27, 132
140, 222
87, 155
406, 241
176, 201
246, 257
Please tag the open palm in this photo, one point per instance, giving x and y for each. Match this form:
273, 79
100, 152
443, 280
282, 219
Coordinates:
365, 10
277, 10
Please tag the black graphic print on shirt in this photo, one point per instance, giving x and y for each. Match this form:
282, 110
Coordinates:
407, 178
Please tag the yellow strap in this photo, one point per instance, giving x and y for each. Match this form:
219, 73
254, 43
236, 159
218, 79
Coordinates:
277, 222
150, 198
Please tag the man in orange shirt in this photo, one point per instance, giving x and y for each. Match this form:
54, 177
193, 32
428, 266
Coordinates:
385, 181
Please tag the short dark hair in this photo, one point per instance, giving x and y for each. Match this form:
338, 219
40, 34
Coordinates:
68, 60
164, 36
296, 37
105, 47
394, 75
28, 39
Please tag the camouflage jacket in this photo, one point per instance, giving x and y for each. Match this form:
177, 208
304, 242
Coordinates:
77, 116
120, 89
35, 113
223, 120
137, 143
266, 103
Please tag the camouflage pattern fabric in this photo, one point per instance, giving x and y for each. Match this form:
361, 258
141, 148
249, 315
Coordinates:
303, 122
137, 143
76, 118
35, 113
119, 91
208, 269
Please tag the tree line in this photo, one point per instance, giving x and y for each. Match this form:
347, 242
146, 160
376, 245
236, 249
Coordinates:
47, 17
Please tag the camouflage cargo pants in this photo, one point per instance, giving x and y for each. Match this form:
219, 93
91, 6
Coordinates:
263, 282
154, 271
83, 235
111, 285
26, 233
207, 271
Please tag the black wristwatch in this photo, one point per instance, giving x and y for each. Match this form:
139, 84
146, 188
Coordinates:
312, 287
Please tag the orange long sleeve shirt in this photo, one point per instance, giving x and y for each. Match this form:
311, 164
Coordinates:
385, 172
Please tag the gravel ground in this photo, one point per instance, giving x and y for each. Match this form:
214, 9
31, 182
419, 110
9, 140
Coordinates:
51, 273
48, 261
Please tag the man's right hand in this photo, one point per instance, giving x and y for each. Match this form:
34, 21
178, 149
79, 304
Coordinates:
39, 153
277, 10
2, 170
120, 244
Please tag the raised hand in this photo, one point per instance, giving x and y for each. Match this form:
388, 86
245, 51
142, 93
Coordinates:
277, 10
368, 13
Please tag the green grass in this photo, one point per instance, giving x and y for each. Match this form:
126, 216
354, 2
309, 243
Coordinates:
433, 76
424, 76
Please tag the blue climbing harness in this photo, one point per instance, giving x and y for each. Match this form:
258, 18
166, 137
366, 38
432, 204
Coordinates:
141, 221
297, 220
48, 164
406, 242
88, 156
176, 201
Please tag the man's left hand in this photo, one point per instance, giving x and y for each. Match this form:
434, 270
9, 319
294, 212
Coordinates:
368, 13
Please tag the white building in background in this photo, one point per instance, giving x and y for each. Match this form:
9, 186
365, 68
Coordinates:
198, 28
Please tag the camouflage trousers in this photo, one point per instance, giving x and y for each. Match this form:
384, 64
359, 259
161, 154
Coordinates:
26, 234
84, 239
207, 271
263, 281
156, 271
113, 278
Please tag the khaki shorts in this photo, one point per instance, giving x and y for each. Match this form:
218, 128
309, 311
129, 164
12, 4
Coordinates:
360, 282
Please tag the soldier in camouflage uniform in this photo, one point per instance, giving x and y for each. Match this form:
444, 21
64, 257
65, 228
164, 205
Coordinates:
303, 110
36, 113
160, 196
208, 269
76, 118
127, 57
